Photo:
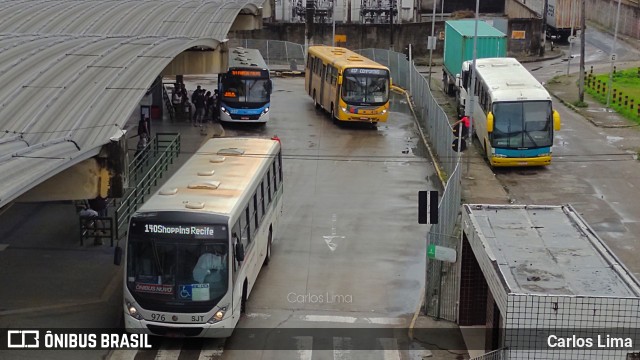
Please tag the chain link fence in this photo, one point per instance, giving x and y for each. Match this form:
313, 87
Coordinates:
279, 55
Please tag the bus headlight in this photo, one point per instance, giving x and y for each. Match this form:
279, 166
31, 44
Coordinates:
219, 315
545, 154
266, 110
343, 109
133, 311
384, 111
224, 110
500, 155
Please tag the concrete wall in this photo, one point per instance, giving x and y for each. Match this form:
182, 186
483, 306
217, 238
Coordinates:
362, 36
603, 12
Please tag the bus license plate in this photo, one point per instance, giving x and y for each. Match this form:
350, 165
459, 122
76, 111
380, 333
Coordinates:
244, 118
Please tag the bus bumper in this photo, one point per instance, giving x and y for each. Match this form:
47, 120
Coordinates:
533, 161
221, 329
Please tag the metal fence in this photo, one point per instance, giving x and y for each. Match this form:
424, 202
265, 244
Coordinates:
277, 54
146, 168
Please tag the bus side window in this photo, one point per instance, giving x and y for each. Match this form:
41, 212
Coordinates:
235, 230
269, 189
246, 231
309, 62
280, 165
275, 178
261, 200
255, 214
327, 75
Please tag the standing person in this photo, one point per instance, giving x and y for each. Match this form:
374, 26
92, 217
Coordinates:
216, 105
99, 204
208, 115
199, 102
143, 128
465, 126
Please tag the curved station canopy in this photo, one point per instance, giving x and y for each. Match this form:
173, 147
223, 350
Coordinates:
72, 72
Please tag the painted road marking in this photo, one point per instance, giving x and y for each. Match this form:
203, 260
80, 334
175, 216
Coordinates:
329, 318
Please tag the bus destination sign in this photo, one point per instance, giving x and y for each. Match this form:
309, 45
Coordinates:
253, 73
180, 230
366, 71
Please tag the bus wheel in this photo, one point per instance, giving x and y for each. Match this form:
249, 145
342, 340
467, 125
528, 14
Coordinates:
243, 301
267, 258
333, 117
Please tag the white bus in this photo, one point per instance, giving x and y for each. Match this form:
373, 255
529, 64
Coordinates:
513, 117
195, 248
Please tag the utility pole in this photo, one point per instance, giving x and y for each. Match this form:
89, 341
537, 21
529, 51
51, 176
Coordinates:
583, 41
472, 95
333, 21
572, 38
613, 58
545, 9
391, 24
432, 42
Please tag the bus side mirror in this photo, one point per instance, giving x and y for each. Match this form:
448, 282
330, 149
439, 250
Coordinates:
490, 122
339, 79
239, 251
556, 121
117, 256
269, 87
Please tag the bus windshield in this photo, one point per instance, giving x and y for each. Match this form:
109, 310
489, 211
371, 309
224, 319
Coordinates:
245, 90
167, 270
524, 124
365, 86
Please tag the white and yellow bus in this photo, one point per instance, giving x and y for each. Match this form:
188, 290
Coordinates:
348, 86
195, 248
513, 118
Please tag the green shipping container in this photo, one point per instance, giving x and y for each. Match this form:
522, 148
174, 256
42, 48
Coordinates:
458, 44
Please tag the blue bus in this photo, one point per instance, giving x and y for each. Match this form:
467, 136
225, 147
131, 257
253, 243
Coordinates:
245, 89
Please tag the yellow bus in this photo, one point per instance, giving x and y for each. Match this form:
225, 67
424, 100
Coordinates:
348, 86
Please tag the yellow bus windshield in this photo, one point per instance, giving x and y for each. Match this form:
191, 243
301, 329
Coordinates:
365, 86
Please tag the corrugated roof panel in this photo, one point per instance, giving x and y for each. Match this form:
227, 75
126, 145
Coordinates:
75, 70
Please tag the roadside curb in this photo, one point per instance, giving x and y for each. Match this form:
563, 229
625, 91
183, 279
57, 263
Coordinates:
544, 58
416, 313
587, 117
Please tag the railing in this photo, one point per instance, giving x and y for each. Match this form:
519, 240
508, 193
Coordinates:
97, 228
168, 104
146, 169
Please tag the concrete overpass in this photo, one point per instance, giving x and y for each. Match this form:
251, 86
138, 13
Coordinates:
72, 72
